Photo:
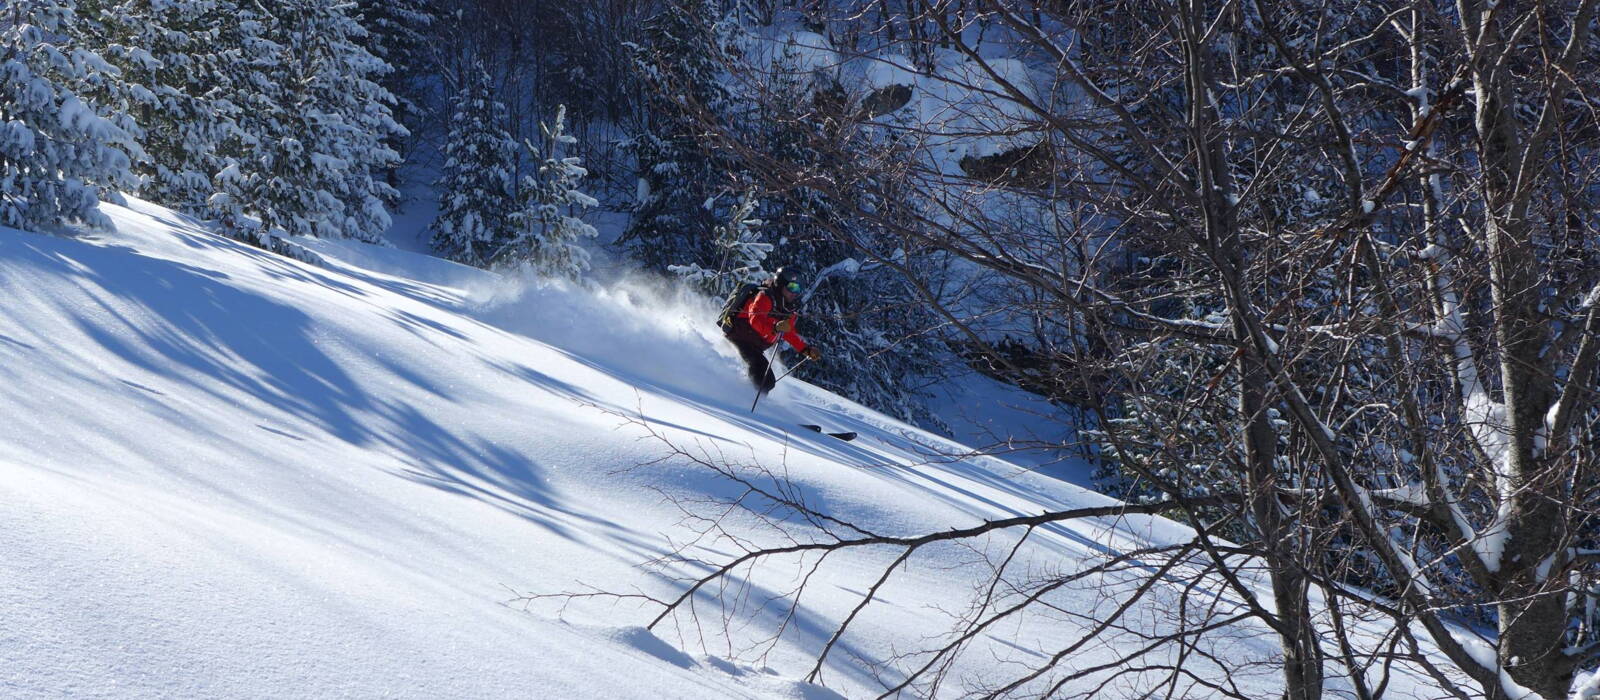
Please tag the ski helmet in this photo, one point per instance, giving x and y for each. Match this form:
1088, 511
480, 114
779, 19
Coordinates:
785, 276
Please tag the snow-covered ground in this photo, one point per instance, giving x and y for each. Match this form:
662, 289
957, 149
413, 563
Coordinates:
228, 474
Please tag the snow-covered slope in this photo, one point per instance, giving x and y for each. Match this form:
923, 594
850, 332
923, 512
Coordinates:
227, 474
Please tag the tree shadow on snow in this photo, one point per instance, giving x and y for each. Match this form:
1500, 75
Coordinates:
189, 327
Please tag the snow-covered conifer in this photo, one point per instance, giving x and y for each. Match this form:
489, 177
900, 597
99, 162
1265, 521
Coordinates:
547, 231
395, 28
397, 35
56, 151
743, 253
310, 145
677, 174
170, 61
476, 195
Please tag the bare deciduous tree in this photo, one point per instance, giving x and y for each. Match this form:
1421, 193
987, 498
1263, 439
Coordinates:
1328, 273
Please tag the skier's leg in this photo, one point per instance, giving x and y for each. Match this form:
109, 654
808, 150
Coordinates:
760, 369
755, 360
767, 379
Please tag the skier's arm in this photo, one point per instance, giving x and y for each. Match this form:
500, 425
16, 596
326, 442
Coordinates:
795, 341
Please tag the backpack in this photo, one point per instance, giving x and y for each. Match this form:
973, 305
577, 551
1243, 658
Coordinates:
735, 302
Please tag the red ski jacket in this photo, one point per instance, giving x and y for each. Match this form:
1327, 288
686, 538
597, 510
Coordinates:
758, 313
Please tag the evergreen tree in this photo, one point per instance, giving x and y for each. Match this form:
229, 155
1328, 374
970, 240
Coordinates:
547, 233
309, 147
397, 34
169, 64
249, 102
1137, 453
56, 152
475, 191
743, 253
678, 176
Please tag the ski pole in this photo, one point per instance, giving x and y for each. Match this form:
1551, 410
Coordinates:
769, 370
786, 373
791, 370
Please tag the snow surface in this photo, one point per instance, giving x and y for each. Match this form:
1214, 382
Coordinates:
229, 474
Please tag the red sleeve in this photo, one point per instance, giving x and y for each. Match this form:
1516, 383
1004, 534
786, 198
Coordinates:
759, 313
794, 339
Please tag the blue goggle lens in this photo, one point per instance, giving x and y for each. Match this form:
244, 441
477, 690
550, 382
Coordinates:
793, 287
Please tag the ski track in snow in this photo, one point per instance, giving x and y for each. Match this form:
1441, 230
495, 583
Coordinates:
228, 474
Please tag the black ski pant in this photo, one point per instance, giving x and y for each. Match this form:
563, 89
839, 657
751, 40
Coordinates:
754, 351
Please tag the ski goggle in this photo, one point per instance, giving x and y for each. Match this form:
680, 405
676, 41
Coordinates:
793, 287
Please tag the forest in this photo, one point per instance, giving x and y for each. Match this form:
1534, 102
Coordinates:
1320, 280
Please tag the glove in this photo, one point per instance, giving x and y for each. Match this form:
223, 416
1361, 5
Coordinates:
784, 326
813, 353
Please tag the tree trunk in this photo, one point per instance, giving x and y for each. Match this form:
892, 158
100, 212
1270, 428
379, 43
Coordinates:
1302, 657
1532, 613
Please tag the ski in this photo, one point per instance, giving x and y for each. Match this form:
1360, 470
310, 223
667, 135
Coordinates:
846, 436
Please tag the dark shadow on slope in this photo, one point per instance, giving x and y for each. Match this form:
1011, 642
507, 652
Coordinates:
477, 468
156, 314
199, 235
13, 341
214, 331
143, 388
546, 382
414, 323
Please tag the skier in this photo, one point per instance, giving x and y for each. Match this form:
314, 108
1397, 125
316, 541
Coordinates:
759, 318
